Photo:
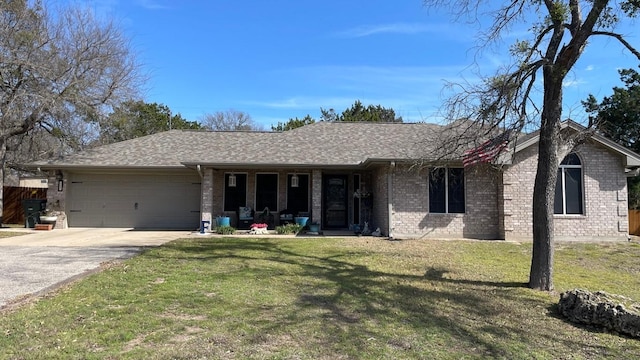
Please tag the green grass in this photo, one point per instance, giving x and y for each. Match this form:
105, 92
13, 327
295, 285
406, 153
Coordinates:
354, 298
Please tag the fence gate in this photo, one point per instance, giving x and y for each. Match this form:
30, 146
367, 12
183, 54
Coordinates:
634, 222
13, 213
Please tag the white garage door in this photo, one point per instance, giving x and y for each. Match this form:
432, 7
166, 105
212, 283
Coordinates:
136, 201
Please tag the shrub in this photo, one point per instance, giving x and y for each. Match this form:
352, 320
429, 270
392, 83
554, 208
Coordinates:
225, 230
288, 229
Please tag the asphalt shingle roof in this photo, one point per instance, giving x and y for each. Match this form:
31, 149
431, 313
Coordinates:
319, 144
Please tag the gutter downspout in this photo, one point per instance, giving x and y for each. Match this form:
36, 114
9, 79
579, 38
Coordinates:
390, 177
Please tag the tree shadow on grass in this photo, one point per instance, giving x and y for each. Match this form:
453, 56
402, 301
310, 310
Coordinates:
355, 309
438, 274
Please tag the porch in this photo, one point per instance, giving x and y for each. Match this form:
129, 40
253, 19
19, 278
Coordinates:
335, 199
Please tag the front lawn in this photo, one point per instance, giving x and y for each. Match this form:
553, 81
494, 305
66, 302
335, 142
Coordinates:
353, 298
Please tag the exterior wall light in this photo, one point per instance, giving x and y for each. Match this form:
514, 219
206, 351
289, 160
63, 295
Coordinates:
60, 181
232, 180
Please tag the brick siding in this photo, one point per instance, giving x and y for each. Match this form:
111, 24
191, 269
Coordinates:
498, 204
380, 211
206, 203
411, 217
605, 197
56, 200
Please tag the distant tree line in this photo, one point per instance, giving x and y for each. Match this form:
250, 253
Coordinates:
618, 117
356, 113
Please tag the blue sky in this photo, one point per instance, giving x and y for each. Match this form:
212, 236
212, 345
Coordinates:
281, 59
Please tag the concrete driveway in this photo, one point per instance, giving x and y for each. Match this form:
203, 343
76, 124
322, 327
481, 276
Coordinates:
40, 261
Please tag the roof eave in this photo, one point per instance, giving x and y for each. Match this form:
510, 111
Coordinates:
230, 166
100, 167
384, 161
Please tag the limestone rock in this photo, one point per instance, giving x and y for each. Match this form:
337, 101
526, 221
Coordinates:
613, 312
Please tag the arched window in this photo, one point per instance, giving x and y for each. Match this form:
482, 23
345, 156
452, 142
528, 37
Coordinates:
569, 187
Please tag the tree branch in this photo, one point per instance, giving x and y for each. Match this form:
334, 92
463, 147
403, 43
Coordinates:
621, 39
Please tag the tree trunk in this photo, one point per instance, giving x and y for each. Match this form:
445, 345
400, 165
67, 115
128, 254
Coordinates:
541, 274
3, 158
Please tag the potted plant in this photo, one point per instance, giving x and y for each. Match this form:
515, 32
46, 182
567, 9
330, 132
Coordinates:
258, 228
314, 227
49, 217
223, 220
301, 220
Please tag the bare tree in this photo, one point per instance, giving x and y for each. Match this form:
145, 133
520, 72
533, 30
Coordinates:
57, 71
507, 100
230, 120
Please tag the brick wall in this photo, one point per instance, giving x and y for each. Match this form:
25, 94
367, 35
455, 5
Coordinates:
316, 197
411, 217
498, 204
605, 197
410, 204
380, 211
206, 203
518, 182
56, 200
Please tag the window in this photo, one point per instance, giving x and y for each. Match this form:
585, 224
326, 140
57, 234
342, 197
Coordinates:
235, 196
568, 198
298, 197
267, 192
446, 190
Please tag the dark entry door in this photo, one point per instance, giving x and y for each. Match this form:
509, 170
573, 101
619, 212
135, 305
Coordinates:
335, 200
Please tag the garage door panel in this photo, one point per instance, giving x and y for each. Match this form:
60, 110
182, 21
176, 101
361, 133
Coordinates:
139, 201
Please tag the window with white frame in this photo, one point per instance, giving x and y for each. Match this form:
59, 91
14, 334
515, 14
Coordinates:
569, 187
446, 190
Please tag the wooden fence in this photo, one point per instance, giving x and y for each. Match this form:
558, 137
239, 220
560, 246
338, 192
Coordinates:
634, 222
13, 212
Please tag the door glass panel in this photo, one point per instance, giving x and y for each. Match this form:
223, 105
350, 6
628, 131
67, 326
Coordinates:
335, 201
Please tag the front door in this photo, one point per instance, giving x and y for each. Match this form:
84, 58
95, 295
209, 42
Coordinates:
335, 201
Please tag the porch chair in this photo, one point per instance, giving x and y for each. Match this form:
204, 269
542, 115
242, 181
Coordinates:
245, 217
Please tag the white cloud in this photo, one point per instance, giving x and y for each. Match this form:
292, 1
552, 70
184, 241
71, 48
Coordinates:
570, 83
415, 93
153, 4
375, 78
399, 28
411, 108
